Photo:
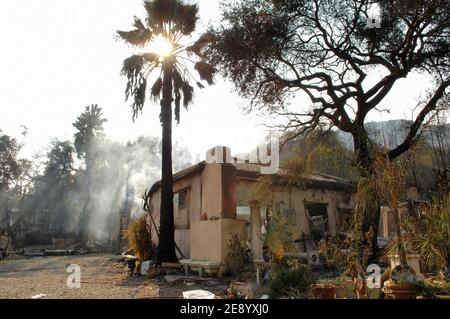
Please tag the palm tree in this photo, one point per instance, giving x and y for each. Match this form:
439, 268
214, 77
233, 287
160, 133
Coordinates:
89, 127
167, 25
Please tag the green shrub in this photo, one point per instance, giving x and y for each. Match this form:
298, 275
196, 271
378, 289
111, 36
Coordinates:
290, 279
433, 244
280, 236
238, 259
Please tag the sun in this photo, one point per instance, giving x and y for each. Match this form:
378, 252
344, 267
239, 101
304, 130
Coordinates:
161, 46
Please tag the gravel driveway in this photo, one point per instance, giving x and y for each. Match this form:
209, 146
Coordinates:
102, 276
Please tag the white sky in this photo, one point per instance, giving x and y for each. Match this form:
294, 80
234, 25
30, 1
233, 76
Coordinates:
57, 56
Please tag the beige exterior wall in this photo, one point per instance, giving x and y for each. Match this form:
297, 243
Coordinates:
210, 239
219, 191
212, 190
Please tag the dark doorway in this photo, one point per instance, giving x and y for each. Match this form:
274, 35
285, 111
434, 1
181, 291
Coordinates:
318, 219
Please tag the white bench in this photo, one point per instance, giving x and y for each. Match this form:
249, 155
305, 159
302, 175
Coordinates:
200, 266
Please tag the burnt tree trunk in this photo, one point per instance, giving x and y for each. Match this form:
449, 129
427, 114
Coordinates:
166, 245
366, 165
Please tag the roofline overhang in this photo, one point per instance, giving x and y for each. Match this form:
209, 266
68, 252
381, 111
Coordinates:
339, 186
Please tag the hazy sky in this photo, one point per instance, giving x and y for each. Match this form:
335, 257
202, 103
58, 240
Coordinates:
58, 56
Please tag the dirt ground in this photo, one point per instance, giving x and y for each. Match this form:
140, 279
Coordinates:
103, 276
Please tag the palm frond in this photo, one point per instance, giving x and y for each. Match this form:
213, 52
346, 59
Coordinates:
132, 69
177, 106
151, 57
140, 36
133, 66
177, 79
138, 24
137, 37
139, 98
198, 46
156, 88
137, 84
185, 18
188, 94
206, 71
159, 12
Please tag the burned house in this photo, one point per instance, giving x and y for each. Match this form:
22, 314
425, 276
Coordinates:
30, 223
212, 201
413, 209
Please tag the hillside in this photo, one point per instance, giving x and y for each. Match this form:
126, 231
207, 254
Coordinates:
392, 133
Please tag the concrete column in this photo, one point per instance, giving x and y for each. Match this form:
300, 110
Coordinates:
256, 236
384, 217
331, 218
219, 185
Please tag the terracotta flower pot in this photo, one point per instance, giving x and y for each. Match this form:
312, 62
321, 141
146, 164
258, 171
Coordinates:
321, 291
401, 291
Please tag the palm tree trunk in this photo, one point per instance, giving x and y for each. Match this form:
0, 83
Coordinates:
83, 225
166, 246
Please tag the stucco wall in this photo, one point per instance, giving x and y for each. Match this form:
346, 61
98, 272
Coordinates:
210, 239
295, 199
219, 191
182, 236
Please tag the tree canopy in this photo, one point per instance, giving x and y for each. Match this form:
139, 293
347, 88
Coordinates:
60, 164
174, 20
89, 127
331, 52
10, 164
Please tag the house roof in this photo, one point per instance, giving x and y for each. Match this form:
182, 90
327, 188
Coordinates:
313, 179
179, 175
253, 171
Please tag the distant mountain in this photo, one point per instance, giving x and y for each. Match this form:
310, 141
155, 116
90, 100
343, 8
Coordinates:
392, 133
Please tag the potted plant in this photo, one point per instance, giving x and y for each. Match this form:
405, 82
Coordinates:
403, 281
403, 284
413, 261
433, 242
324, 290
